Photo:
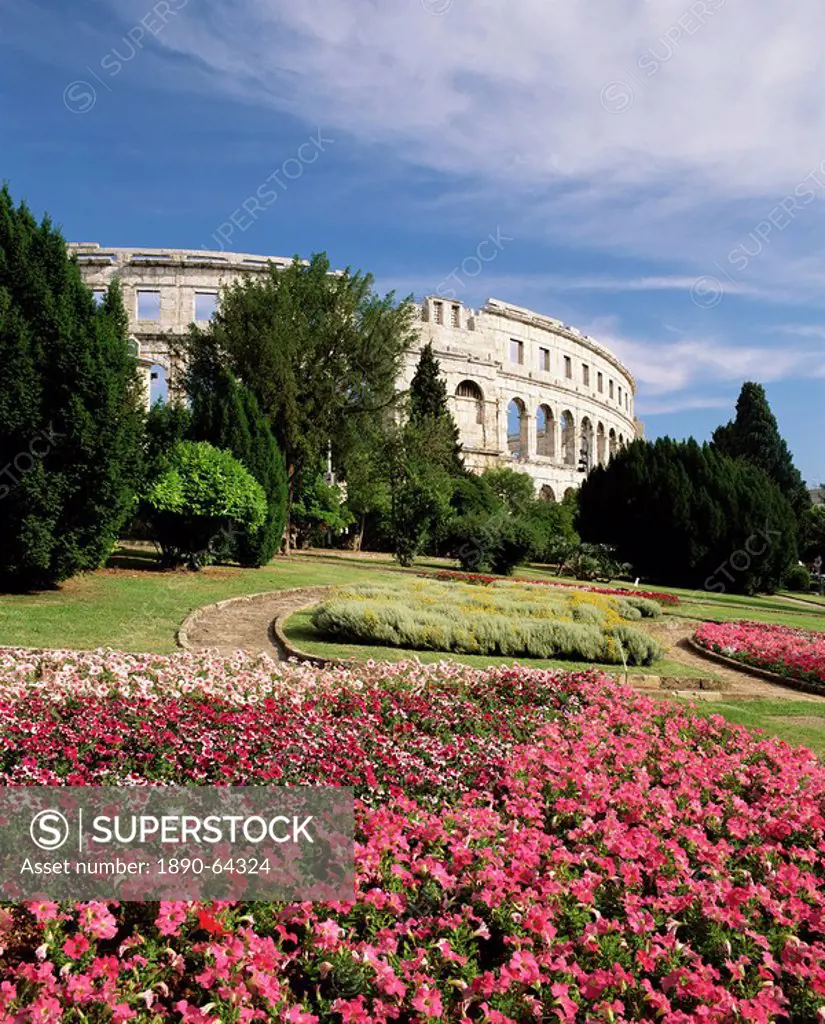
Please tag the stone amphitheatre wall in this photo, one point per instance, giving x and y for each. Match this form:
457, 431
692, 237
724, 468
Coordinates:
527, 390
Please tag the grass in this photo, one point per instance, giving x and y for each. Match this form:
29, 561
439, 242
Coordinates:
299, 629
132, 606
777, 718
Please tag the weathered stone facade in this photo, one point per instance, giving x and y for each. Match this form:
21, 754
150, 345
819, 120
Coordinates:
527, 390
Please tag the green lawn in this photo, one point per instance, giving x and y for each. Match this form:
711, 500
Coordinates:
702, 605
131, 606
301, 632
134, 607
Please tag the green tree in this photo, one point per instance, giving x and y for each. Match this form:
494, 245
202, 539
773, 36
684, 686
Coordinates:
166, 424
320, 511
70, 409
428, 405
202, 494
316, 349
686, 515
419, 489
754, 435
814, 529
368, 496
226, 414
515, 489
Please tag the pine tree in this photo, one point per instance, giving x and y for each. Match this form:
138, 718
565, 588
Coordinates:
70, 415
754, 435
428, 405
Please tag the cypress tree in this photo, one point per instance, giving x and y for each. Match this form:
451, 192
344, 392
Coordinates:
70, 416
428, 406
753, 435
684, 514
227, 415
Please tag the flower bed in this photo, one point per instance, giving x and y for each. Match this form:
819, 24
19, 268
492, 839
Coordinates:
794, 653
530, 846
505, 618
448, 575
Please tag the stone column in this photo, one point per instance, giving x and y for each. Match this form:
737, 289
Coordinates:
531, 434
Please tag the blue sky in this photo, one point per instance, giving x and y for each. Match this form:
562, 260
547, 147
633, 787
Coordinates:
654, 172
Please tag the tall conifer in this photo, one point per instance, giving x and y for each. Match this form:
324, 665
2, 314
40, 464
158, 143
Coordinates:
69, 409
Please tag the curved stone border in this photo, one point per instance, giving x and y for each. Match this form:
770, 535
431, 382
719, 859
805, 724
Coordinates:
762, 673
182, 634
283, 641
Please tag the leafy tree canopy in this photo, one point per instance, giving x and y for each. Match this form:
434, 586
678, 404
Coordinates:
316, 348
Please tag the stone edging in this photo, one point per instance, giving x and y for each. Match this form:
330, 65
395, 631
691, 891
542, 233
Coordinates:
673, 684
182, 634
762, 673
292, 651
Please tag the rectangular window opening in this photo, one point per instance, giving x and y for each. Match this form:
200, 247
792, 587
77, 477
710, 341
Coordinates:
516, 351
148, 305
206, 304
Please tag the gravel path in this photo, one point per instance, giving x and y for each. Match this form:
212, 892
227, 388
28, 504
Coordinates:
247, 625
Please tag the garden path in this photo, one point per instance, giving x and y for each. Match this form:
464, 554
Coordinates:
673, 634
246, 625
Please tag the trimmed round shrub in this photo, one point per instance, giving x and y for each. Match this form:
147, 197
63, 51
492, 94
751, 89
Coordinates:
203, 495
797, 578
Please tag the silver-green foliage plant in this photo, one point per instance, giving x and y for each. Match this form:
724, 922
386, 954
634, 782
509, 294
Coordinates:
509, 620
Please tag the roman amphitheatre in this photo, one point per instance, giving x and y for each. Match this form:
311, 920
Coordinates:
527, 390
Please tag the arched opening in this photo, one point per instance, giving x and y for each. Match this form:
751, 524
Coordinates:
546, 493
517, 429
545, 432
158, 384
611, 442
600, 444
472, 399
586, 444
621, 440
568, 438
570, 491
469, 407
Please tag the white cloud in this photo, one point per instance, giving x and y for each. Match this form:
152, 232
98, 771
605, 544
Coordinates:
724, 99
664, 408
667, 368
